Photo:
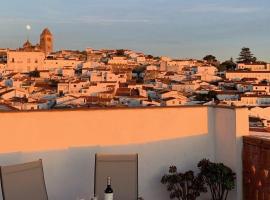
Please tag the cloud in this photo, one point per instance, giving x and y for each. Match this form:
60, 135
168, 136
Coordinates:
215, 8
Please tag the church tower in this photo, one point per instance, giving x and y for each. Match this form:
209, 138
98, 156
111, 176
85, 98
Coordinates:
46, 41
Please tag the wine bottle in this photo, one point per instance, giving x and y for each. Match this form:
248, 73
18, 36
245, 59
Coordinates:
108, 193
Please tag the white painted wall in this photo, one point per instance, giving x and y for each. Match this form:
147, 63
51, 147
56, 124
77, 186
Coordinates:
68, 140
20, 61
230, 125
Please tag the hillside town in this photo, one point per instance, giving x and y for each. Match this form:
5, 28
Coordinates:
35, 77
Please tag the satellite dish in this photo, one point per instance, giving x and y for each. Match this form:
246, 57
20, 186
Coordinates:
28, 27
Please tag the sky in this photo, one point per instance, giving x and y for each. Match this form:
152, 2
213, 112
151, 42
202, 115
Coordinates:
176, 28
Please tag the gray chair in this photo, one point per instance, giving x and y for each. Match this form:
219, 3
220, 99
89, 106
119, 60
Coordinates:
123, 170
23, 182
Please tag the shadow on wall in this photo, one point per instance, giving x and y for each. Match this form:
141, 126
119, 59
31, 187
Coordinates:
69, 173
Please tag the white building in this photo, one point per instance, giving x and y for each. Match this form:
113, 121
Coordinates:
21, 61
254, 66
207, 69
95, 89
100, 76
71, 87
185, 86
53, 64
244, 87
44, 74
9, 94
227, 95
151, 68
171, 93
68, 71
255, 100
237, 75
179, 65
172, 101
261, 88
118, 60
140, 59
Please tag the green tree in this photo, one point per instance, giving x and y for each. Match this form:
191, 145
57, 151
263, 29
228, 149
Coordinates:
206, 97
53, 83
219, 178
139, 69
246, 56
183, 186
120, 52
264, 81
210, 59
227, 65
149, 56
34, 73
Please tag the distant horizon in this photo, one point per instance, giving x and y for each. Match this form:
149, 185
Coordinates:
140, 51
178, 29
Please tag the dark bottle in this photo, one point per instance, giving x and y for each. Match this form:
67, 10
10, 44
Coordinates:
108, 193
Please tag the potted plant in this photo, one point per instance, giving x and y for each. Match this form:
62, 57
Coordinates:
219, 178
183, 186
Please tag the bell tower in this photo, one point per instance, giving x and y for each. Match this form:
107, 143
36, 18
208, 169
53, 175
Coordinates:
46, 41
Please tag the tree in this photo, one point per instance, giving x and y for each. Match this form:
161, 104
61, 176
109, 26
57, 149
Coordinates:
139, 69
149, 56
206, 97
227, 65
246, 56
265, 81
120, 52
183, 186
53, 83
218, 177
35, 73
210, 59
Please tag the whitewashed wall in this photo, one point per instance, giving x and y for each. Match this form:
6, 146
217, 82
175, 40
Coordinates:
68, 140
230, 126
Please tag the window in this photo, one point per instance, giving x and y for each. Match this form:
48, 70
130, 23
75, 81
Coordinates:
13, 60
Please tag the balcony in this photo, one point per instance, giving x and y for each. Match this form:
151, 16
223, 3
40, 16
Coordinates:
68, 140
